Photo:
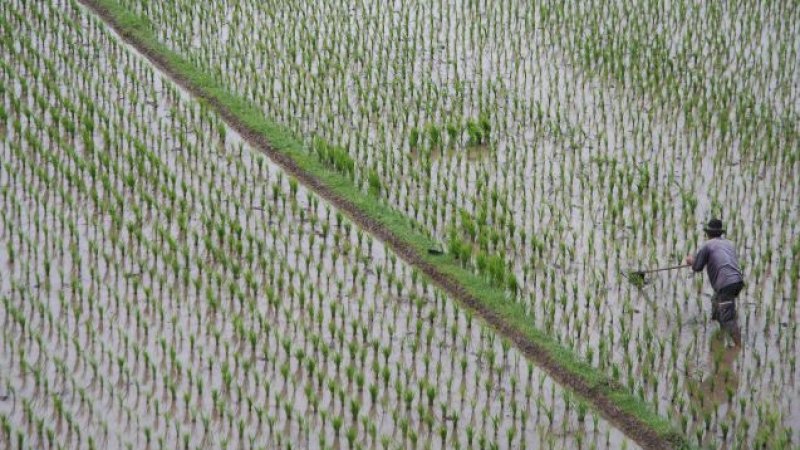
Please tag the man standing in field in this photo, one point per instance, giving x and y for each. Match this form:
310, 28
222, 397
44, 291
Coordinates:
718, 256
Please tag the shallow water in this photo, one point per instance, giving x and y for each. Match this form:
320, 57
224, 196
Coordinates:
613, 139
172, 324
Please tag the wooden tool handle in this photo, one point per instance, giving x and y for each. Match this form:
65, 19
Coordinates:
667, 268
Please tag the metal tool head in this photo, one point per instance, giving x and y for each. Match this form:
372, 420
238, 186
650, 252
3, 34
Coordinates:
636, 277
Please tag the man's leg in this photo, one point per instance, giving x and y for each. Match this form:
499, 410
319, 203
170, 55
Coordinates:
715, 307
726, 311
731, 323
736, 333
728, 320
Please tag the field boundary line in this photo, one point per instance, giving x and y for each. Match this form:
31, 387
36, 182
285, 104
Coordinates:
625, 411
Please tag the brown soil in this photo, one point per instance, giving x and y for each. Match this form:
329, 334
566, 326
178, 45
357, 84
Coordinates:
629, 424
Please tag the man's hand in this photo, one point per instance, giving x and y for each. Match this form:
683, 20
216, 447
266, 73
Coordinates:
690, 259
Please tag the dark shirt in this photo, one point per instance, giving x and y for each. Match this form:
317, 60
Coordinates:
718, 256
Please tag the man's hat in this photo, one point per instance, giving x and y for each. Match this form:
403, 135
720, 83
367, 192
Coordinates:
714, 226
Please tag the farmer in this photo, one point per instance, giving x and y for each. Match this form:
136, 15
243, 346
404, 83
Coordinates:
718, 256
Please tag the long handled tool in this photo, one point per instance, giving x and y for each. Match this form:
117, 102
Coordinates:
637, 276
641, 273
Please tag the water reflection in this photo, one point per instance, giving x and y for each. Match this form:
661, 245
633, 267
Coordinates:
712, 394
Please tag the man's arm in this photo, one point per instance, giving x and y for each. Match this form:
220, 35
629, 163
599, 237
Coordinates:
699, 261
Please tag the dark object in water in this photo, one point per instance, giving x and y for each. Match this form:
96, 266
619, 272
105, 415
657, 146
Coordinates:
637, 276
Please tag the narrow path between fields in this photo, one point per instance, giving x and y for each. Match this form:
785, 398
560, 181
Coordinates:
614, 402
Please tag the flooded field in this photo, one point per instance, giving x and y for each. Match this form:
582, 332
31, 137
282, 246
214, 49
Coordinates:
165, 286
554, 147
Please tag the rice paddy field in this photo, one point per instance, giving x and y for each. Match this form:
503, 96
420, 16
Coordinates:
166, 285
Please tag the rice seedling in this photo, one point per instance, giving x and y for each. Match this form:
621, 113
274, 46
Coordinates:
605, 122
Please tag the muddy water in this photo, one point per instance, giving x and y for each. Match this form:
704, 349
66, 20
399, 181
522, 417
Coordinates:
167, 324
